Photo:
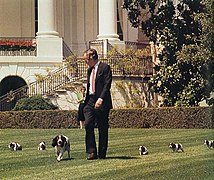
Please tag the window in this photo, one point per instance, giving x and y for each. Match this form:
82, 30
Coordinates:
119, 22
36, 15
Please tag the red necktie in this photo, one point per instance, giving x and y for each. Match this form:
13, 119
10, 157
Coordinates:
93, 80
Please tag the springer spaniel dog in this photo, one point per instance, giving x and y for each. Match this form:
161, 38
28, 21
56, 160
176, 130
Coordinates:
176, 147
61, 144
209, 143
143, 150
13, 146
42, 146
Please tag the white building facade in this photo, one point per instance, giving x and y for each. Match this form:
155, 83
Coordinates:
52, 22
49, 25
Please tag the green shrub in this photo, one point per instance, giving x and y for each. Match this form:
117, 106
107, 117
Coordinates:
188, 118
34, 103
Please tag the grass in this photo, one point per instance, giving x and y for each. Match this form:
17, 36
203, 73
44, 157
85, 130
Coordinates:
123, 160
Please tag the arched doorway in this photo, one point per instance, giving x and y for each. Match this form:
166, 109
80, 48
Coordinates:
8, 84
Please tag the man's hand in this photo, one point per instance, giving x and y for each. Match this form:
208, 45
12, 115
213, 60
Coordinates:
98, 103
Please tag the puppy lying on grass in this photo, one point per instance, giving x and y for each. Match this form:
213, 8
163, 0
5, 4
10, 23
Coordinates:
13, 146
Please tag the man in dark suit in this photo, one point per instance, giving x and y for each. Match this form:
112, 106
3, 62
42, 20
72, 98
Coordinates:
97, 104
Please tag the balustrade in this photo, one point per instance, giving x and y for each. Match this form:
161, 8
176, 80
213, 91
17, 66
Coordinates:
24, 46
60, 77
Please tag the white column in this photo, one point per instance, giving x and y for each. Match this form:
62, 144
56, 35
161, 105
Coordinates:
49, 44
108, 20
46, 19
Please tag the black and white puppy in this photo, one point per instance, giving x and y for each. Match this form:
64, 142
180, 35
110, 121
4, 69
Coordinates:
42, 146
209, 143
176, 147
61, 144
13, 146
143, 150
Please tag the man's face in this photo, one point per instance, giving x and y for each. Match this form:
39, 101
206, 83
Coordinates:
88, 60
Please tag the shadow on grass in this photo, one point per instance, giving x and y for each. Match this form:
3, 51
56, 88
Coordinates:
67, 159
122, 157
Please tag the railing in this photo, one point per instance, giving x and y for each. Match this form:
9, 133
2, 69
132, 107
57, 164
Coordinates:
136, 45
66, 50
64, 75
8, 101
14, 46
45, 86
103, 46
24, 46
143, 67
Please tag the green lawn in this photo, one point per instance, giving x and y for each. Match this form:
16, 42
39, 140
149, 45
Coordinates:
123, 160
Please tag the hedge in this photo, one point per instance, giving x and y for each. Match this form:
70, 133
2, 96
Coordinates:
197, 117
194, 117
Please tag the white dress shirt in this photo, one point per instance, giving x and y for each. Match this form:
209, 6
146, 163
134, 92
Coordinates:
95, 73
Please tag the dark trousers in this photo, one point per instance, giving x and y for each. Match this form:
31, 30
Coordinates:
96, 118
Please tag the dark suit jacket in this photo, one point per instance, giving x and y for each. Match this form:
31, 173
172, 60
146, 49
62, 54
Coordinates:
102, 85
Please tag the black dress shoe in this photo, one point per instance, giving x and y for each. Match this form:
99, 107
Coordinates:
91, 156
102, 154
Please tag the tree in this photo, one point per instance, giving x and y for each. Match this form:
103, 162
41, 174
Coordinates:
184, 75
